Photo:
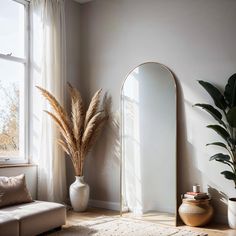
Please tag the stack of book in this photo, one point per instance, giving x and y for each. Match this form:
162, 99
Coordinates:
196, 196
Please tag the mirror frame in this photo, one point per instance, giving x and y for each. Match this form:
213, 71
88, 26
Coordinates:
176, 135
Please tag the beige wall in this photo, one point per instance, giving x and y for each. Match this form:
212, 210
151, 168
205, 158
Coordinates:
196, 40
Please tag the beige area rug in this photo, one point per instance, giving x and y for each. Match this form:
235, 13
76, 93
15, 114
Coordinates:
112, 226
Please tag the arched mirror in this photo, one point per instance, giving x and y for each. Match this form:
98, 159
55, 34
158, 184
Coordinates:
148, 138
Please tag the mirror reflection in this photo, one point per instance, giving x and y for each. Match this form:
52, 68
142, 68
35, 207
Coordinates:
148, 102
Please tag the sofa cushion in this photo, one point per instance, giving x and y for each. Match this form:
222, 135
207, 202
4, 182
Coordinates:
13, 190
8, 226
37, 217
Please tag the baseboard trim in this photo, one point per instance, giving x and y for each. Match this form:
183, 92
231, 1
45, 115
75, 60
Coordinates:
115, 206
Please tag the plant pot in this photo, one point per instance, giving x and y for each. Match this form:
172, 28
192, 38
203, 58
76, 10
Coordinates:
79, 194
196, 212
232, 213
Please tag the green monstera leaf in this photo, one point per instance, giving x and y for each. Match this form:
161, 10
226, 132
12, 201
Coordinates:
220, 144
229, 175
221, 131
227, 123
212, 111
220, 157
231, 117
223, 158
216, 95
230, 91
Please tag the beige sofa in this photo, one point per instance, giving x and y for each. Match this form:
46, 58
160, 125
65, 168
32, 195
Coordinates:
31, 218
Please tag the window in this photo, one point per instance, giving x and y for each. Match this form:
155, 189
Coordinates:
14, 71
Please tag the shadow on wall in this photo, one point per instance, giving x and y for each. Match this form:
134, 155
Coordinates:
188, 172
219, 203
97, 164
114, 126
181, 139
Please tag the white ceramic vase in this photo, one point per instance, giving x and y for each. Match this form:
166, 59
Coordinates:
232, 213
79, 194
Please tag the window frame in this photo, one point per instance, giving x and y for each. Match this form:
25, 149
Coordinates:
26, 62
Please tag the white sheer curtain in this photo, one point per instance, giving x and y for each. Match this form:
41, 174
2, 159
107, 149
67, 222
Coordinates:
48, 71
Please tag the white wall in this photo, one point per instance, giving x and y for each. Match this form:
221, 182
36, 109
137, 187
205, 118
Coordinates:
196, 40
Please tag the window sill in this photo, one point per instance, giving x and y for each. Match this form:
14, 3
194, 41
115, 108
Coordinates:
16, 165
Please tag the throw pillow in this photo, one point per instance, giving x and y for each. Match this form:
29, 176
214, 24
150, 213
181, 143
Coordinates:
13, 190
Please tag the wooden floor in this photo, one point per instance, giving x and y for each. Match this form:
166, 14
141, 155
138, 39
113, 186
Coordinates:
212, 230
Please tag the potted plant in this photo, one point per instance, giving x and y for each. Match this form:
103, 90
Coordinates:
224, 112
79, 132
